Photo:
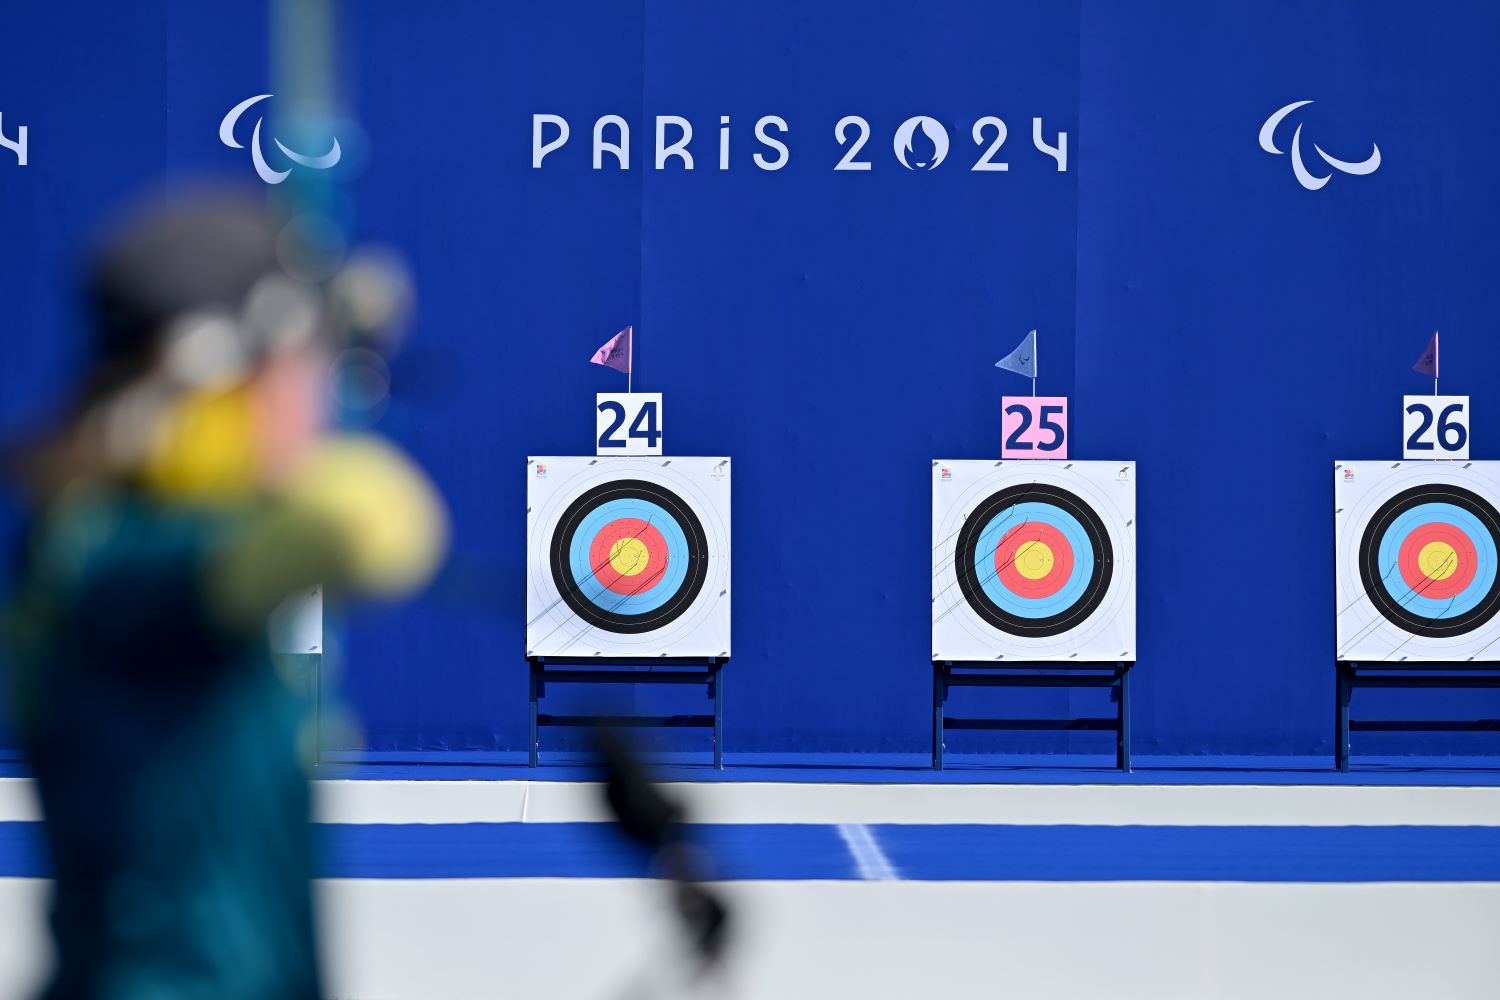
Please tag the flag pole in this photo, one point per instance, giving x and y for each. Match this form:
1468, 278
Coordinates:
630, 368
1436, 362
1035, 363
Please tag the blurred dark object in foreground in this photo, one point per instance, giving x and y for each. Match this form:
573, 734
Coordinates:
657, 824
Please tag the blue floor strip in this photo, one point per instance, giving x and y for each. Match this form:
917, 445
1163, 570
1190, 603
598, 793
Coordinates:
919, 853
913, 768
21, 852
909, 768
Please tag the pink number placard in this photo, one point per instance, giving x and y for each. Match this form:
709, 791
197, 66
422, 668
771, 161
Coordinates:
1034, 427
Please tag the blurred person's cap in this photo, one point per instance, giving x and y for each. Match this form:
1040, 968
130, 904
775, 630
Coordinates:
195, 282
204, 282
187, 295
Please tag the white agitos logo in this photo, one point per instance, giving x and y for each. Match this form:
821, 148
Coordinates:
258, 156
922, 152
1306, 177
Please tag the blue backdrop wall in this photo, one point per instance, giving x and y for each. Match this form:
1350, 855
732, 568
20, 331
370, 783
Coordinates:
834, 330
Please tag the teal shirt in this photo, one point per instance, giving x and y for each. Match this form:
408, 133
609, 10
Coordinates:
165, 749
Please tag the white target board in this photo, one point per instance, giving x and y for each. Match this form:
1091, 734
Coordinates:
296, 624
627, 556
1033, 560
1416, 548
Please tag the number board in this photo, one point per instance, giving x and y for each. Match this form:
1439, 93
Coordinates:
627, 423
1034, 427
1435, 427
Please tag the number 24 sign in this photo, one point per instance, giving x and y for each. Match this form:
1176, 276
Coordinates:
1034, 427
627, 423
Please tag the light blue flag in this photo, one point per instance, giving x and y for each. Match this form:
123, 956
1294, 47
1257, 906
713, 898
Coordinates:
1022, 360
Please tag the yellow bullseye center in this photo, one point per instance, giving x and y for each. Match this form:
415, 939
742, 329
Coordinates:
1437, 560
1034, 560
629, 556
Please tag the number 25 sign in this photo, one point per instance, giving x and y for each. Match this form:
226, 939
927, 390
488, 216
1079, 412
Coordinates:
1034, 427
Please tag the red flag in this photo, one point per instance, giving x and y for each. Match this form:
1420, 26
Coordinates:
616, 353
1427, 364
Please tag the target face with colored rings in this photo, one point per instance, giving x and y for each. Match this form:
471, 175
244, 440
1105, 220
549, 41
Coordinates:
629, 556
1034, 560
1428, 560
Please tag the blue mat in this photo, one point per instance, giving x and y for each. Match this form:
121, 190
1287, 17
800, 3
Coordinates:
858, 768
962, 769
921, 853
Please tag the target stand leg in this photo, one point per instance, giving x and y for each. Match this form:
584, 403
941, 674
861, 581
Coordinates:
318, 711
536, 679
939, 699
716, 689
1341, 716
1122, 734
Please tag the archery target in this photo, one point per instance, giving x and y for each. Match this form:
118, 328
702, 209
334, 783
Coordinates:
1033, 560
1418, 551
627, 557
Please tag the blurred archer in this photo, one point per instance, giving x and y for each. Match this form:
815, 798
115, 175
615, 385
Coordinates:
188, 489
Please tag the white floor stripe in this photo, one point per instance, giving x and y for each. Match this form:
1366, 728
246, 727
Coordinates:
584, 938
771, 802
18, 802
869, 860
415, 802
905, 940
1042, 805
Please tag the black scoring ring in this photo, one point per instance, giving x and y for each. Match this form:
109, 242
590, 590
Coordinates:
1371, 579
1070, 617
611, 621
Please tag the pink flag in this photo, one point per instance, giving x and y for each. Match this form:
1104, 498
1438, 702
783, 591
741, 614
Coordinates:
617, 353
1427, 364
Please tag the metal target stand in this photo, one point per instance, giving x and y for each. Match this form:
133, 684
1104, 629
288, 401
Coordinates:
1426, 674
628, 670
948, 674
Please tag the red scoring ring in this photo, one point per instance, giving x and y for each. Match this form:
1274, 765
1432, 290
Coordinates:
656, 555
1062, 560
1409, 559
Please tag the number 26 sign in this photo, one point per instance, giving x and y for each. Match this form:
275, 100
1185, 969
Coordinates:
1034, 427
627, 423
1435, 427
